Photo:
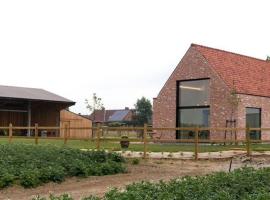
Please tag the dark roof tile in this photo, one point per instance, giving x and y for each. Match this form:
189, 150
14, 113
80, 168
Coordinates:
30, 94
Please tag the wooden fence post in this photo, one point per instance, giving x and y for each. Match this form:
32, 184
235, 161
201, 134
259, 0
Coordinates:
196, 143
65, 134
36, 133
10, 133
98, 136
248, 140
144, 140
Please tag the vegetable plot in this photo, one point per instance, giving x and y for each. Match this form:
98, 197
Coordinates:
32, 165
242, 184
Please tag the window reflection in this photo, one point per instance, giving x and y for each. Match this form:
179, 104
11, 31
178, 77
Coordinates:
193, 107
194, 93
253, 120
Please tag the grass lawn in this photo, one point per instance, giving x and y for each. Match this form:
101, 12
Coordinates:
115, 146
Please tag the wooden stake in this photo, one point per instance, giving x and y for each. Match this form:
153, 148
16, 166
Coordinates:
196, 142
248, 140
10, 133
144, 141
36, 133
65, 134
98, 136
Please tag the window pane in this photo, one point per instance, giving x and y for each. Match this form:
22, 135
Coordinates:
253, 120
194, 93
195, 117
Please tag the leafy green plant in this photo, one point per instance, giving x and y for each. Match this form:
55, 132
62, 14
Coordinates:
32, 165
135, 161
53, 197
241, 184
246, 183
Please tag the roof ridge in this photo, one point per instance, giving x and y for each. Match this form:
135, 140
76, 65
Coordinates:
238, 54
21, 87
115, 109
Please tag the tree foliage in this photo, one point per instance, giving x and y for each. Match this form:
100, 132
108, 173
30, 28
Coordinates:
143, 113
94, 103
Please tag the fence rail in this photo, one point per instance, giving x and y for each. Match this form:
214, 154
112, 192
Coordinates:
145, 137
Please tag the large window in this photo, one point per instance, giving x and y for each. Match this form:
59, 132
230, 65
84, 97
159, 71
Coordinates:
253, 120
194, 93
193, 107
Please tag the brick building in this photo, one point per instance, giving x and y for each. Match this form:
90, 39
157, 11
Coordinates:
215, 88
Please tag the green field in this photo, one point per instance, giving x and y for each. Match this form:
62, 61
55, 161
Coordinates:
152, 147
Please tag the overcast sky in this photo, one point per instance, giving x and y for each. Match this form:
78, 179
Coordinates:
121, 50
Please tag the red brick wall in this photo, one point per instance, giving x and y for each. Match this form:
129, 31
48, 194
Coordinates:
192, 66
257, 102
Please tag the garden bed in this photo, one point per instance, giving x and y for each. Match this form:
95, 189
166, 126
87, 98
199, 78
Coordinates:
245, 183
33, 165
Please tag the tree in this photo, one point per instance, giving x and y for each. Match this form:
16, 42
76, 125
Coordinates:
94, 104
143, 113
234, 101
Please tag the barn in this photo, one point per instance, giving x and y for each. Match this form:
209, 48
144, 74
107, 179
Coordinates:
24, 107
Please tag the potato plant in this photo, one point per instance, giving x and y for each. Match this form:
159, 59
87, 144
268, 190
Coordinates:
32, 165
241, 184
246, 183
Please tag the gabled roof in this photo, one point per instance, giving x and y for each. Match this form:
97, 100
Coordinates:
118, 115
110, 115
31, 94
247, 75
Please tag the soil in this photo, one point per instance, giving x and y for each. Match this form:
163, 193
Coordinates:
151, 170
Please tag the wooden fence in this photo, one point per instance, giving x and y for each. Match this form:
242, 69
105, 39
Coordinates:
145, 139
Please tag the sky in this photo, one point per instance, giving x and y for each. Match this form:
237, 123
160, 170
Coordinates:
121, 49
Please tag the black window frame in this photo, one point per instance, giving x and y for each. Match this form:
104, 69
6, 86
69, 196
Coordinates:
178, 107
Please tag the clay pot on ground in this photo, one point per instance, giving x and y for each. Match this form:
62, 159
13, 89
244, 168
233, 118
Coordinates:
124, 142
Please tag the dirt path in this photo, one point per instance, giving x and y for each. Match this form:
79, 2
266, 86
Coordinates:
153, 170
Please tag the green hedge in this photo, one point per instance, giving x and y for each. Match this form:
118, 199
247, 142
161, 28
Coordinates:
244, 184
32, 165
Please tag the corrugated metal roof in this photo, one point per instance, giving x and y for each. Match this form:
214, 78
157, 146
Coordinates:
118, 115
30, 94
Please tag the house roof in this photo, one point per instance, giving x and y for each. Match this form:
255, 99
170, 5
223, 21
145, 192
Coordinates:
110, 115
76, 114
247, 75
31, 94
118, 115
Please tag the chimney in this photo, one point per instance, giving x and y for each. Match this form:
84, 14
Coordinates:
126, 108
268, 59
